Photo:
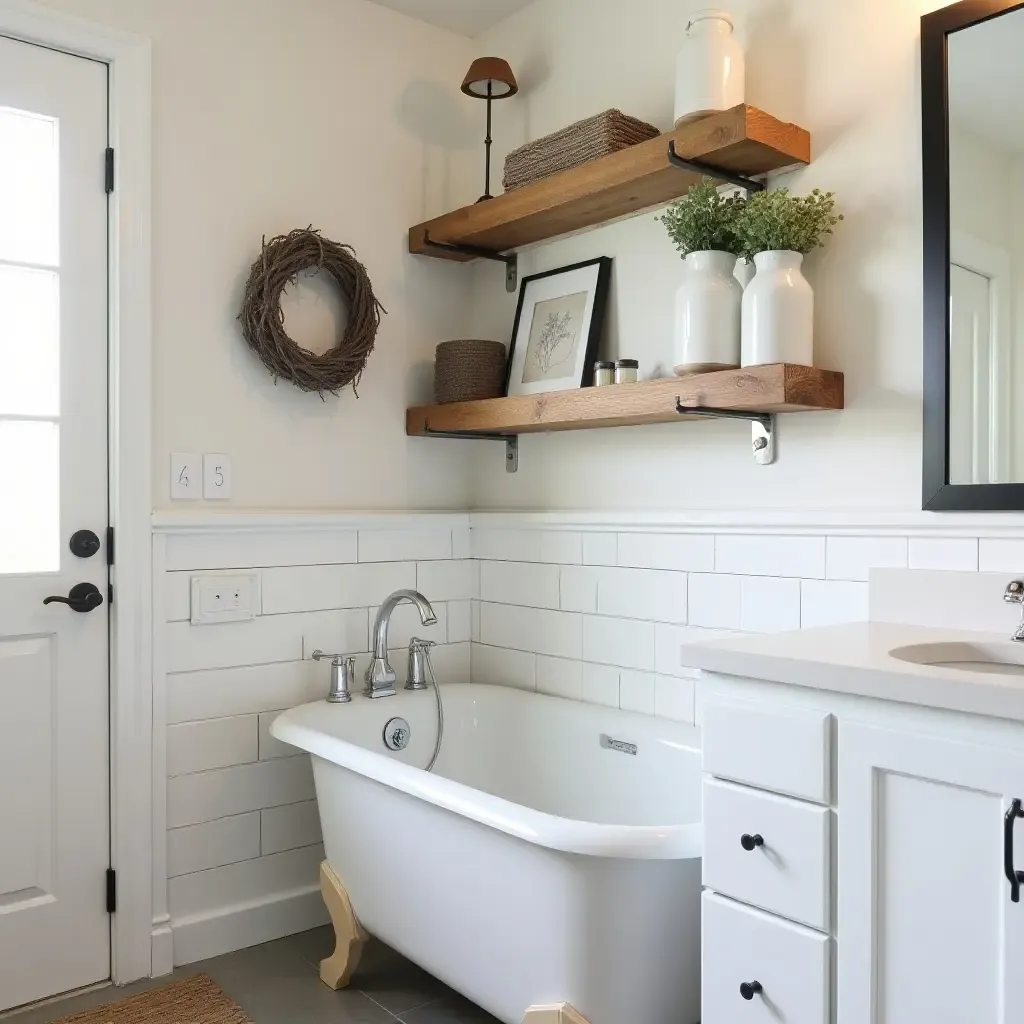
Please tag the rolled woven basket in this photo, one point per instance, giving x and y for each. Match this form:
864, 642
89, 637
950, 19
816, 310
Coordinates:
468, 369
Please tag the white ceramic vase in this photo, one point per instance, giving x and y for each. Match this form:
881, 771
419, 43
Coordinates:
710, 68
778, 312
707, 335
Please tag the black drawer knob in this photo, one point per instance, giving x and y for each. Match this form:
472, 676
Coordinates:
749, 989
749, 842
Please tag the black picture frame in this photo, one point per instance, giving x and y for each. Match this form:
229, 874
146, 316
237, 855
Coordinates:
601, 293
938, 494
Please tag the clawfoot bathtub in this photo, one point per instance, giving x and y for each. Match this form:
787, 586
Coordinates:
548, 867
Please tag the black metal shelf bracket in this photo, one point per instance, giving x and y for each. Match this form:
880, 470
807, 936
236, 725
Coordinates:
511, 443
730, 177
511, 260
762, 427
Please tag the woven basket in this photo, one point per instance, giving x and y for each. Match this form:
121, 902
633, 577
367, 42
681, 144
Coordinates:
467, 370
573, 146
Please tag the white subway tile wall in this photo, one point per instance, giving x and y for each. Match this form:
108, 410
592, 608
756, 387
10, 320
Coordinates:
609, 630
243, 826
592, 615
943, 553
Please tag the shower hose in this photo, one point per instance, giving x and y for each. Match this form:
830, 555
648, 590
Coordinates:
440, 712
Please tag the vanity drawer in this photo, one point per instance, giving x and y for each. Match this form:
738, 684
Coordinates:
788, 871
785, 751
741, 946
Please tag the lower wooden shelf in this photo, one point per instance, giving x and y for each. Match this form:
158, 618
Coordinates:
778, 388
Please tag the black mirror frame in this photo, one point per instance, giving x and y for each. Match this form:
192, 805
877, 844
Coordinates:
938, 494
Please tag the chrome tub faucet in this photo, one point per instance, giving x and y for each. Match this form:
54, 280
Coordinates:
343, 673
380, 676
1014, 594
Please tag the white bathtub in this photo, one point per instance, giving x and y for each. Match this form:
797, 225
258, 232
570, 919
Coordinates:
534, 865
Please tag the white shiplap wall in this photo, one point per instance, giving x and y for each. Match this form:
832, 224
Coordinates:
242, 841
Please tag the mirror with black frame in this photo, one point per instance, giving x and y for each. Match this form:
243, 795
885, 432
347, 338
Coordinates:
973, 169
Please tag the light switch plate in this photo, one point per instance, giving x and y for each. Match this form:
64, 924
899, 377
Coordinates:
216, 477
186, 470
223, 598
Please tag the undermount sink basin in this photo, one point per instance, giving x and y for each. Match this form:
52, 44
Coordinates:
1005, 659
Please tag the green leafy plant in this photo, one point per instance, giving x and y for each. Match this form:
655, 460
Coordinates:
704, 220
776, 220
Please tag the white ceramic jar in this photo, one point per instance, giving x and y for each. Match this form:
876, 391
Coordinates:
778, 312
710, 68
707, 334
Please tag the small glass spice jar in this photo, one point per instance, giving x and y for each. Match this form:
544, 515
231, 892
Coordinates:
627, 371
604, 373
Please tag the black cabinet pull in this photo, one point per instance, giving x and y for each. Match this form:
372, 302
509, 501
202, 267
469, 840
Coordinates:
1013, 876
749, 989
749, 842
83, 597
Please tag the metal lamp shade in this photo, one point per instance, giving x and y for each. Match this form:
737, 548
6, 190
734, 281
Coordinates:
490, 78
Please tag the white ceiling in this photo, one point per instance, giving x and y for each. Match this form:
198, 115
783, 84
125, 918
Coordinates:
986, 80
466, 17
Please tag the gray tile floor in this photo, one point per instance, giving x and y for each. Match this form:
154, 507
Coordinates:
279, 983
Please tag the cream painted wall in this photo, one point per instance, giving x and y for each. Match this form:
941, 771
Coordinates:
981, 194
848, 70
271, 115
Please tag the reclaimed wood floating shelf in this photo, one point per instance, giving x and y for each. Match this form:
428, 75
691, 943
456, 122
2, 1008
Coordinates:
778, 388
743, 140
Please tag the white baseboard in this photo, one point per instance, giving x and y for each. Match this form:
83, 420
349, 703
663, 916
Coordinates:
247, 924
162, 944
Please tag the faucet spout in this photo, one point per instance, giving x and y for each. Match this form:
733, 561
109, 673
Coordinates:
380, 676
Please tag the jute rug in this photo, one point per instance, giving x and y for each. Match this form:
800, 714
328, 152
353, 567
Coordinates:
192, 1001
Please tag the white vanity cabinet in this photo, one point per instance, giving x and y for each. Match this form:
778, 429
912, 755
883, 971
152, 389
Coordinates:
855, 861
927, 928
767, 865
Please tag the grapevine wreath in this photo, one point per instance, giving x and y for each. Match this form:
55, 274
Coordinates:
283, 258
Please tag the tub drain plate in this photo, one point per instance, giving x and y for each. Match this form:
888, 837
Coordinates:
397, 734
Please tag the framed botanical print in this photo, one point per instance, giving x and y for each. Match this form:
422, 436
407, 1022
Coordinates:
558, 328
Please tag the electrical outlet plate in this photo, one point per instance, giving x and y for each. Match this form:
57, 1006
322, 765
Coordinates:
186, 476
216, 477
225, 598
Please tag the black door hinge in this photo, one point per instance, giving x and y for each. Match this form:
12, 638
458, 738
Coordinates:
111, 891
110, 545
110, 593
108, 163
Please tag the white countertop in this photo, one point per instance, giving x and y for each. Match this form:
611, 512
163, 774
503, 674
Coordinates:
854, 659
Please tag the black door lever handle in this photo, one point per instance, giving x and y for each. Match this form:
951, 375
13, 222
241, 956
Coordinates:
83, 597
1013, 876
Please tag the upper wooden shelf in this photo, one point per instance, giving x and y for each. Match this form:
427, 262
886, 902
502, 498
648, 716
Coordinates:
743, 140
778, 388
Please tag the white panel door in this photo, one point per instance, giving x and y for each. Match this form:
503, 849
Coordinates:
927, 928
54, 722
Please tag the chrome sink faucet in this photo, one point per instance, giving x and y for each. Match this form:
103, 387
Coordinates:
1014, 594
380, 676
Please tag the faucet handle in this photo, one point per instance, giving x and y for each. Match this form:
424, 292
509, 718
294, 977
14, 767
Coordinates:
418, 653
343, 674
323, 656
1014, 593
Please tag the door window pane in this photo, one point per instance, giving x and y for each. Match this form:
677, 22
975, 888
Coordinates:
29, 497
29, 342
29, 193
